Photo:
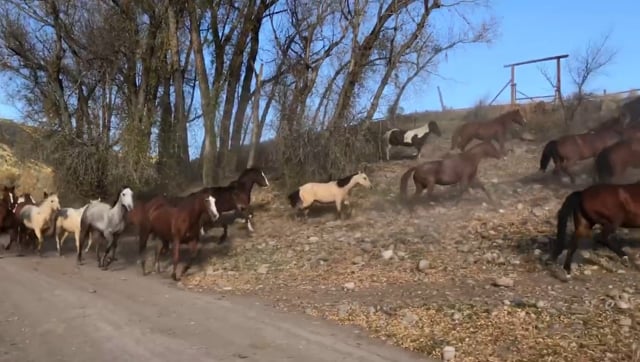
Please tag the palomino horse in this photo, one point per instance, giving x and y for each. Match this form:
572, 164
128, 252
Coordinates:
416, 137
611, 206
234, 200
495, 129
327, 192
567, 150
67, 220
613, 161
460, 168
37, 218
107, 222
179, 224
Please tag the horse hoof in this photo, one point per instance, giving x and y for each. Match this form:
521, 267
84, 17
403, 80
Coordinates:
174, 277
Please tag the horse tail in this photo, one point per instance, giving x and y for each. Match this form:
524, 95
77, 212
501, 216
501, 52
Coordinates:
570, 206
550, 151
294, 198
604, 168
404, 180
455, 137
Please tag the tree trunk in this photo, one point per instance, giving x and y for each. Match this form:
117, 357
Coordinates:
255, 128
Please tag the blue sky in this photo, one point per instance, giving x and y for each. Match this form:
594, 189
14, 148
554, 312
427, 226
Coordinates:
528, 29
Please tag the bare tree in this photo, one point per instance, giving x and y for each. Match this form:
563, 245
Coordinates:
582, 67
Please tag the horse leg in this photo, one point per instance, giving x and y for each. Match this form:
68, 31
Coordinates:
110, 244
161, 248
176, 258
339, 208
582, 231
86, 250
464, 187
60, 241
40, 240
143, 237
387, 151
501, 137
475, 183
608, 233
225, 233
193, 247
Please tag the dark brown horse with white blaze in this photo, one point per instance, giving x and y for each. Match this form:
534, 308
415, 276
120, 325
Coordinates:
611, 206
460, 168
234, 200
415, 138
492, 130
567, 150
178, 222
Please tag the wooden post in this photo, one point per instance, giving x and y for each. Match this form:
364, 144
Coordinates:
441, 100
513, 84
558, 80
255, 127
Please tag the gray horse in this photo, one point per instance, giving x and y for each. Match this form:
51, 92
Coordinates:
100, 219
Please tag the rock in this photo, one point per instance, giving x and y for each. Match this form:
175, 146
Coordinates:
622, 304
538, 211
625, 322
92, 290
503, 282
366, 247
624, 297
313, 239
423, 265
541, 304
387, 254
527, 136
343, 310
290, 254
409, 318
263, 269
519, 206
537, 252
448, 353
349, 286
209, 270
613, 293
358, 260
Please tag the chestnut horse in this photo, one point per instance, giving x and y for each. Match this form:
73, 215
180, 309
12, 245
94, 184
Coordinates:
460, 168
607, 205
613, 161
495, 129
567, 150
178, 224
415, 138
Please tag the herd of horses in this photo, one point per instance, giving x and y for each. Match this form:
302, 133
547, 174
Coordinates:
176, 220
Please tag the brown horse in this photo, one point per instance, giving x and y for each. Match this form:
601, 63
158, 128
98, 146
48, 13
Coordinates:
460, 168
611, 206
567, 150
8, 222
495, 129
179, 224
613, 161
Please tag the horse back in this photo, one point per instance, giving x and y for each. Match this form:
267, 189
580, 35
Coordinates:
618, 205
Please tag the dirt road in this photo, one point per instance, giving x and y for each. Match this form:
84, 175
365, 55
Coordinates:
52, 310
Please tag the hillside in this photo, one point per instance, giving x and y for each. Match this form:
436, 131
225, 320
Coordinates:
16, 166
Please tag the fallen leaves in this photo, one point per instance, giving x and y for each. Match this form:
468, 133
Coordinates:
423, 279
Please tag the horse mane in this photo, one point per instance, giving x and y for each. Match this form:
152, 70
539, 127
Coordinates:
345, 180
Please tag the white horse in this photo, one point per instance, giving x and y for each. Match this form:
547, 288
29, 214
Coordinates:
100, 219
67, 220
38, 217
327, 192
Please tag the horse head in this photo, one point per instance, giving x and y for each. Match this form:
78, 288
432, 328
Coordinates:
210, 205
362, 179
433, 128
126, 198
518, 117
52, 202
